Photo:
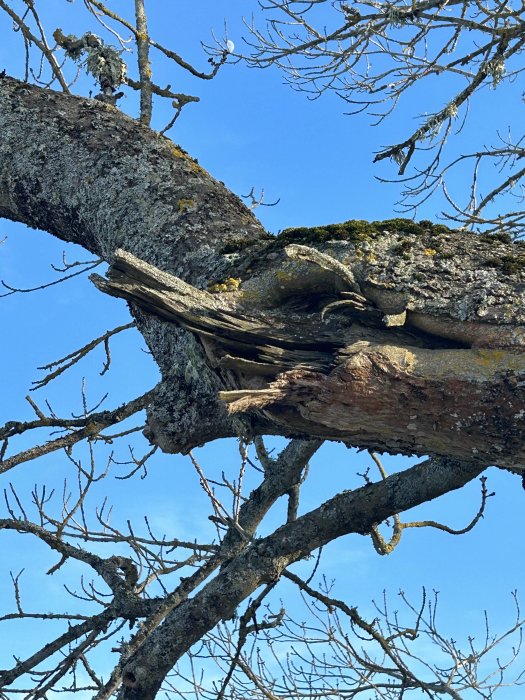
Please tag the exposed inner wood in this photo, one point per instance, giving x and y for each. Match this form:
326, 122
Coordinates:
390, 388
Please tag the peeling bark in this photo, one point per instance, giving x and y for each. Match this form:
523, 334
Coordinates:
420, 297
393, 336
386, 398
388, 389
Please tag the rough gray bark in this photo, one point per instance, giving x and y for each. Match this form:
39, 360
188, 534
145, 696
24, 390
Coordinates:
348, 335
438, 314
264, 560
328, 376
88, 174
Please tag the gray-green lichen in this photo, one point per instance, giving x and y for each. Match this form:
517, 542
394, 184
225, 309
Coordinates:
101, 60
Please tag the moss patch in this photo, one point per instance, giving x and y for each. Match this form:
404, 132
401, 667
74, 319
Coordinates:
357, 231
181, 154
507, 264
495, 237
403, 248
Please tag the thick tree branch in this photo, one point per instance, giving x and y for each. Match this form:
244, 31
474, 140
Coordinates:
355, 511
388, 388
111, 182
362, 332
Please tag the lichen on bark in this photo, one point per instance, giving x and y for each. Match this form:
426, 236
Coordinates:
88, 174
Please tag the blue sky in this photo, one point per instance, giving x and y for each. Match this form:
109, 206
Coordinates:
249, 130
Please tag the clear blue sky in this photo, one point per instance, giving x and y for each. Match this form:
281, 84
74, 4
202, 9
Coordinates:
249, 130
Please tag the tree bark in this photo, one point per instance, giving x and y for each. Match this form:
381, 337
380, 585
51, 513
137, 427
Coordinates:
387, 389
401, 337
387, 335
262, 562
88, 174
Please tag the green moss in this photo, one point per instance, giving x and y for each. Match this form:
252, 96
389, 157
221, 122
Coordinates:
412, 228
438, 229
507, 264
495, 237
403, 248
406, 226
356, 231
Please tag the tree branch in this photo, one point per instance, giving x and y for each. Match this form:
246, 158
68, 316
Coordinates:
263, 562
